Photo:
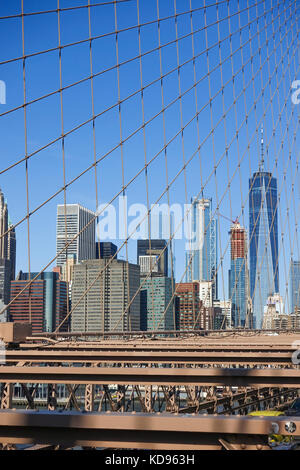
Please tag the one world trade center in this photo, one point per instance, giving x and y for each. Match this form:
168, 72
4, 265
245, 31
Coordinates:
263, 239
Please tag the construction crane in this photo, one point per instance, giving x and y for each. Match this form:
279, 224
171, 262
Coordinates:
236, 221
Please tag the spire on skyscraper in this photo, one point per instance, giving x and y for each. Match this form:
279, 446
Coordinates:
262, 159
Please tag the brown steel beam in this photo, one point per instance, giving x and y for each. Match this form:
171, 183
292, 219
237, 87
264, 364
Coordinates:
139, 430
287, 378
265, 344
142, 357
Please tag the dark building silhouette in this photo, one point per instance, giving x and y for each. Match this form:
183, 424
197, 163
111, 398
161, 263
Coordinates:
7, 251
105, 250
5, 273
12, 251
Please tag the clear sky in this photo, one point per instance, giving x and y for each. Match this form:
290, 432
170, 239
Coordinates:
264, 56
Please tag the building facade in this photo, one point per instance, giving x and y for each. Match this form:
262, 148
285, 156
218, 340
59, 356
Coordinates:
7, 251
5, 279
263, 240
165, 226
158, 310
12, 250
294, 290
73, 219
226, 308
4, 316
189, 305
219, 319
3, 227
201, 258
238, 275
153, 253
276, 321
206, 293
104, 296
43, 304
106, 250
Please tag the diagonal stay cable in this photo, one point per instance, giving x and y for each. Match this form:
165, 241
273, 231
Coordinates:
136, 131
184, 217
111, 33
76, 128
47, 266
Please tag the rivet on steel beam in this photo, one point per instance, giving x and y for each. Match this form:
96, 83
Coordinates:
290, 426
275, 428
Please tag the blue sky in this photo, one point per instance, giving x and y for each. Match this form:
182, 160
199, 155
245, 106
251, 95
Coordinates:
44, 124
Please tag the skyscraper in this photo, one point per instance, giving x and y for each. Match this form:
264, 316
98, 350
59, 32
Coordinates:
5, 272
112, 302
3, 226
238, 275
166, 230
7, 251
189, 305
201, 258
152, 255
226, 308
44, 304
12, 250
263, 233
206, 293
75, 218
157, 305
294, 286
105, 250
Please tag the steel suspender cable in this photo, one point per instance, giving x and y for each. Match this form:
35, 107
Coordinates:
188, 88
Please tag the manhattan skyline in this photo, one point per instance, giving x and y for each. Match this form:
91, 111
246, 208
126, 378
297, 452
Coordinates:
221, 166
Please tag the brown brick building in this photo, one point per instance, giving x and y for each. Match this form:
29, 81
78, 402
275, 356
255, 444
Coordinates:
189, 305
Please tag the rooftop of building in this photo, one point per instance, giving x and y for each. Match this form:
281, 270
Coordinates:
77, 205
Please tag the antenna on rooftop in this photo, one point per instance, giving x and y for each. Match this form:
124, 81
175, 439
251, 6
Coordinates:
262, 160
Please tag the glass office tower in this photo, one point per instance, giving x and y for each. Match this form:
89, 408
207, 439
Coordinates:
201, 258
294, 286
263, 241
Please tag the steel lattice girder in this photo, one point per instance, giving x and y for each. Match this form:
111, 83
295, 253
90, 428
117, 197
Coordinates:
140, 430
